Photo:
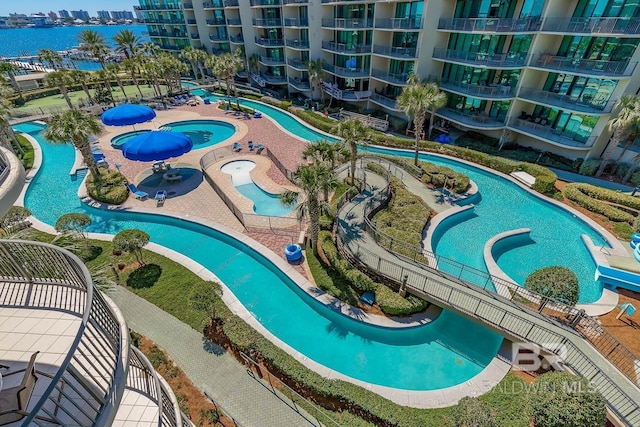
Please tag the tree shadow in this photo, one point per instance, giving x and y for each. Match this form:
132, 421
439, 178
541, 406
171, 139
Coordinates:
90, 253
145, 276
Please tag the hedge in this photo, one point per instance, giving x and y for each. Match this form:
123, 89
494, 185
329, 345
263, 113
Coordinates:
110, 188
589, 197
557, 282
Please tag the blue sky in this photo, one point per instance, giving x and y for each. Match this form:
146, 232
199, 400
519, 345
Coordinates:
31, 6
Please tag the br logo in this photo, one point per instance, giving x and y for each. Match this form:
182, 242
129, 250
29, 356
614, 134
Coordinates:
532, 357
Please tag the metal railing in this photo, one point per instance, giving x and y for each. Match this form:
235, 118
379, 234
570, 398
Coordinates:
486, 91
267, 22
346, 48
221, 410
552, 134
499, 60
592, 25
581, 104
320, 418
297, 44
479, 282
396, 51
354, 23
268, 42
497, 25
4, 166
410, 23
584, 66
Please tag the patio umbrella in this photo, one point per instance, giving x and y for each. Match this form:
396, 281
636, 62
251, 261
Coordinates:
156, 145
127, 114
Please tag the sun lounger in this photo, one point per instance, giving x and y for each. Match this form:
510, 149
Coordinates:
160, 197
250, 145
259, 148
138, 194
236, 147
368, 298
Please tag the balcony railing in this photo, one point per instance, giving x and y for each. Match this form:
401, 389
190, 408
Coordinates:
478, 91
471, 120
594, 25
218, 38
297, 64
191, 22
346, 72
299, 84
231, 3
412, 23
216, 4
564, 102
296, 22
195, 36
493, 60
396, 52
277, 80
347, 23
216, 21
266, 3
157, 7
272, 61
237, 39
384, 101
398, 79
491, 25
187, 5
584, 66
297, 44
269, 42
345, 95
294, 2
237, 22
167, 34
164, 21
545, 132
345, 48
273, 22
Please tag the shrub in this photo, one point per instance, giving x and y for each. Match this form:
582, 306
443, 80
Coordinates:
203, 295
558, 283
131, 240
471, 412
592, 198
11, 221
438, 175
109, 187
622, 170
636, 224
559, 399
589, 167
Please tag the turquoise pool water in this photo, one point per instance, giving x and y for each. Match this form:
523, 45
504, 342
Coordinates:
203, 133
437, 355
286, 121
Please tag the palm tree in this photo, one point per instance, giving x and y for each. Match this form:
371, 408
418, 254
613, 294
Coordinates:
102, 78
82, 77
75, 127
11, 70
194, 57
632, 169
127, 43
353, 131
94, 43
312, 180
225, 66
51, 57
131, 68
328, 152
627, 144
316, 76
628, 116
62, 80
114, 70
416, 99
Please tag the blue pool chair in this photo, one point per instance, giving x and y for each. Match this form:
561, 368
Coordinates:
250, 145
236, 147
138, 194
160, 197
259, 148
368, 298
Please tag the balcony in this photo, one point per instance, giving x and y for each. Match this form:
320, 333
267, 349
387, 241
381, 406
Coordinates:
195, 36
152, 7
342, 48
216, 4
345, 72
237, 39
295, 22
164, 21
382, 100
348, 1
391, 78
396, 52
234, 22
265, 3
168, 35
563, 101
11, 179
489, 25
478, 91
294, 2
345, 95
261, 41
490, 60
413, 23
590, 67
470, 120
191, 22
299, 84
594, 25
231, 3
216, 22
187, 5
171, 47
355, 24
267, 22
274, 80
297, 44
553, 136
218, 38
266, 60
297, 64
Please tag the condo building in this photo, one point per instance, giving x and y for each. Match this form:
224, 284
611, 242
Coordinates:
540, 73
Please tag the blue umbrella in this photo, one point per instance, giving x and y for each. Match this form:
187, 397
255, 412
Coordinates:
127, 114
156, 145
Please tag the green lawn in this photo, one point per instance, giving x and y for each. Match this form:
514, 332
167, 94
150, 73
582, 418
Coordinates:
27, 156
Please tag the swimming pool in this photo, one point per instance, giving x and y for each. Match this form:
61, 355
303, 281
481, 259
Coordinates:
263, 203
429, 357
203, 133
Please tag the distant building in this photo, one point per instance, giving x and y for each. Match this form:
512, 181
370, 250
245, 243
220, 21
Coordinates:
104, 14
19, 19
80, 14
5, 23
121, 15
52, 15
64, 14
40, 20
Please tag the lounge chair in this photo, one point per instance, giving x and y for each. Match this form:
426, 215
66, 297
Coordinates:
138, 194
257, 115
368, 298
250, 145
236, 147
160, 197
259, 148
14, 400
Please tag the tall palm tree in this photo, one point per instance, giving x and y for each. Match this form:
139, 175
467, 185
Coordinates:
416, 99
11, 70
132, 69
114, 70
126, 42
50, 57
353, 131
75, 127
194, 57
329, 154
82, 77
312, 180
94, 43
103, 78
62, 80
316, 76
225, 66
628, 115
627, 144
632, 169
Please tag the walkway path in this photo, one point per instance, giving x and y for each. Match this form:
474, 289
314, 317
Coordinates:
209, 367
496, 312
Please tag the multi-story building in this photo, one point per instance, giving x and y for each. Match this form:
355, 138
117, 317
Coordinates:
80, 14
121, 15
541, 73
104, 14
64, 14
52, 15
